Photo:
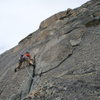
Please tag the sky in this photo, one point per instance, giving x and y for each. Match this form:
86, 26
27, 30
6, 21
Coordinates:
19, 18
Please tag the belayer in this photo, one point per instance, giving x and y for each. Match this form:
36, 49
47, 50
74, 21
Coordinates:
25, 57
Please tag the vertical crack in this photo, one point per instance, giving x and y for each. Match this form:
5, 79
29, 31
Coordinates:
20, 95
33, 75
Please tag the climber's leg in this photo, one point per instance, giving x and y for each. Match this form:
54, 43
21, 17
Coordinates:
19, 66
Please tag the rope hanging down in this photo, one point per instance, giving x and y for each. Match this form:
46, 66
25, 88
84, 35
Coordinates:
34, 66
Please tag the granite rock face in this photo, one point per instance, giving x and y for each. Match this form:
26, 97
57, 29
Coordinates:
67, 54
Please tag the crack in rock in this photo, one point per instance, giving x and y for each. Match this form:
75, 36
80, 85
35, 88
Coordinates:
58, 64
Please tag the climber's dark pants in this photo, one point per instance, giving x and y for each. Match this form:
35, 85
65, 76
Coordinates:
20, 63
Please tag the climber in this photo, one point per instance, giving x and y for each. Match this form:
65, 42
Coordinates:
26, 57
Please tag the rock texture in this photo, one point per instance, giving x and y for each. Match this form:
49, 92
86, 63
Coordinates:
67, 50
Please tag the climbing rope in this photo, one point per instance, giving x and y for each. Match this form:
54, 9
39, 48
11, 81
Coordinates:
26, 64
29, 72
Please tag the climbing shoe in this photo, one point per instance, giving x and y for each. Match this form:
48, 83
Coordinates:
15, 69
